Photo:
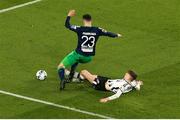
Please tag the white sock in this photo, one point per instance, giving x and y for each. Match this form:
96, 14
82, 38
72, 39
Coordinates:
67, 72
76, 74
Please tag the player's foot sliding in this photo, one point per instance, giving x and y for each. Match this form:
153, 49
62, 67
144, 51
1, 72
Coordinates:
77, 77
61, 72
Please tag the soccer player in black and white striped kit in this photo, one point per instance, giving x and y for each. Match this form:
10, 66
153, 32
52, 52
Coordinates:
117, 86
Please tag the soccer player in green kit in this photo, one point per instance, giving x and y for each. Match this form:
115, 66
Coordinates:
87, 38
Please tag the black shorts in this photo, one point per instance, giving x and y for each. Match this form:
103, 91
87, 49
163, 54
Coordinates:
99, 83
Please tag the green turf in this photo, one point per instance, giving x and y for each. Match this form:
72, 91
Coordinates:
9, 3
34, 37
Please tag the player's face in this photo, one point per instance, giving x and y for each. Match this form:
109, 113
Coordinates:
127, 76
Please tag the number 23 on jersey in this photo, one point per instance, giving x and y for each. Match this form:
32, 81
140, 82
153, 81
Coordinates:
88, 44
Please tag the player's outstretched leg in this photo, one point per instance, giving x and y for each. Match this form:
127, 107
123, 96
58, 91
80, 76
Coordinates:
73, 68
89, 76
61, 71
77, 76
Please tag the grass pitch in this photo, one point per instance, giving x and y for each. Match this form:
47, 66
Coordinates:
34, 37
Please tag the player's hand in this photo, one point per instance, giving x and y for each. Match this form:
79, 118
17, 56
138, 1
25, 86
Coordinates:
104, 100
72, 13
138, 86
140, 82
119, 35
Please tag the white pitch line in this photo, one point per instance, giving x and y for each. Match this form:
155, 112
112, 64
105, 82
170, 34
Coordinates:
19, 6
54, 104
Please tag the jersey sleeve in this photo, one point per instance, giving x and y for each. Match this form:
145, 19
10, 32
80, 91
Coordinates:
103, 32
69, 26
115, 96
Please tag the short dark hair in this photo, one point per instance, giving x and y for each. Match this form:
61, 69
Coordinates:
132, 74
87, 17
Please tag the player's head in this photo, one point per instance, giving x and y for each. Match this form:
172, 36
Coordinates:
87, 19
130, 75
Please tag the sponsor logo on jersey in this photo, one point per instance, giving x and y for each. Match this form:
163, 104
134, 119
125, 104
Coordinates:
88, 33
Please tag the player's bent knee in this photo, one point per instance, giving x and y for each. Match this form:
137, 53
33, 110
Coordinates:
60, 66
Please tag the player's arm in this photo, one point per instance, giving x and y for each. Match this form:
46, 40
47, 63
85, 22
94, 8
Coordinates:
103, 32
67, 22
115, 96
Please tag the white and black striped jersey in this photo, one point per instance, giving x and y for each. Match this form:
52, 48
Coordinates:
119, 86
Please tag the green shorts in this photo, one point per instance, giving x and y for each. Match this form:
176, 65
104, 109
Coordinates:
73, 58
